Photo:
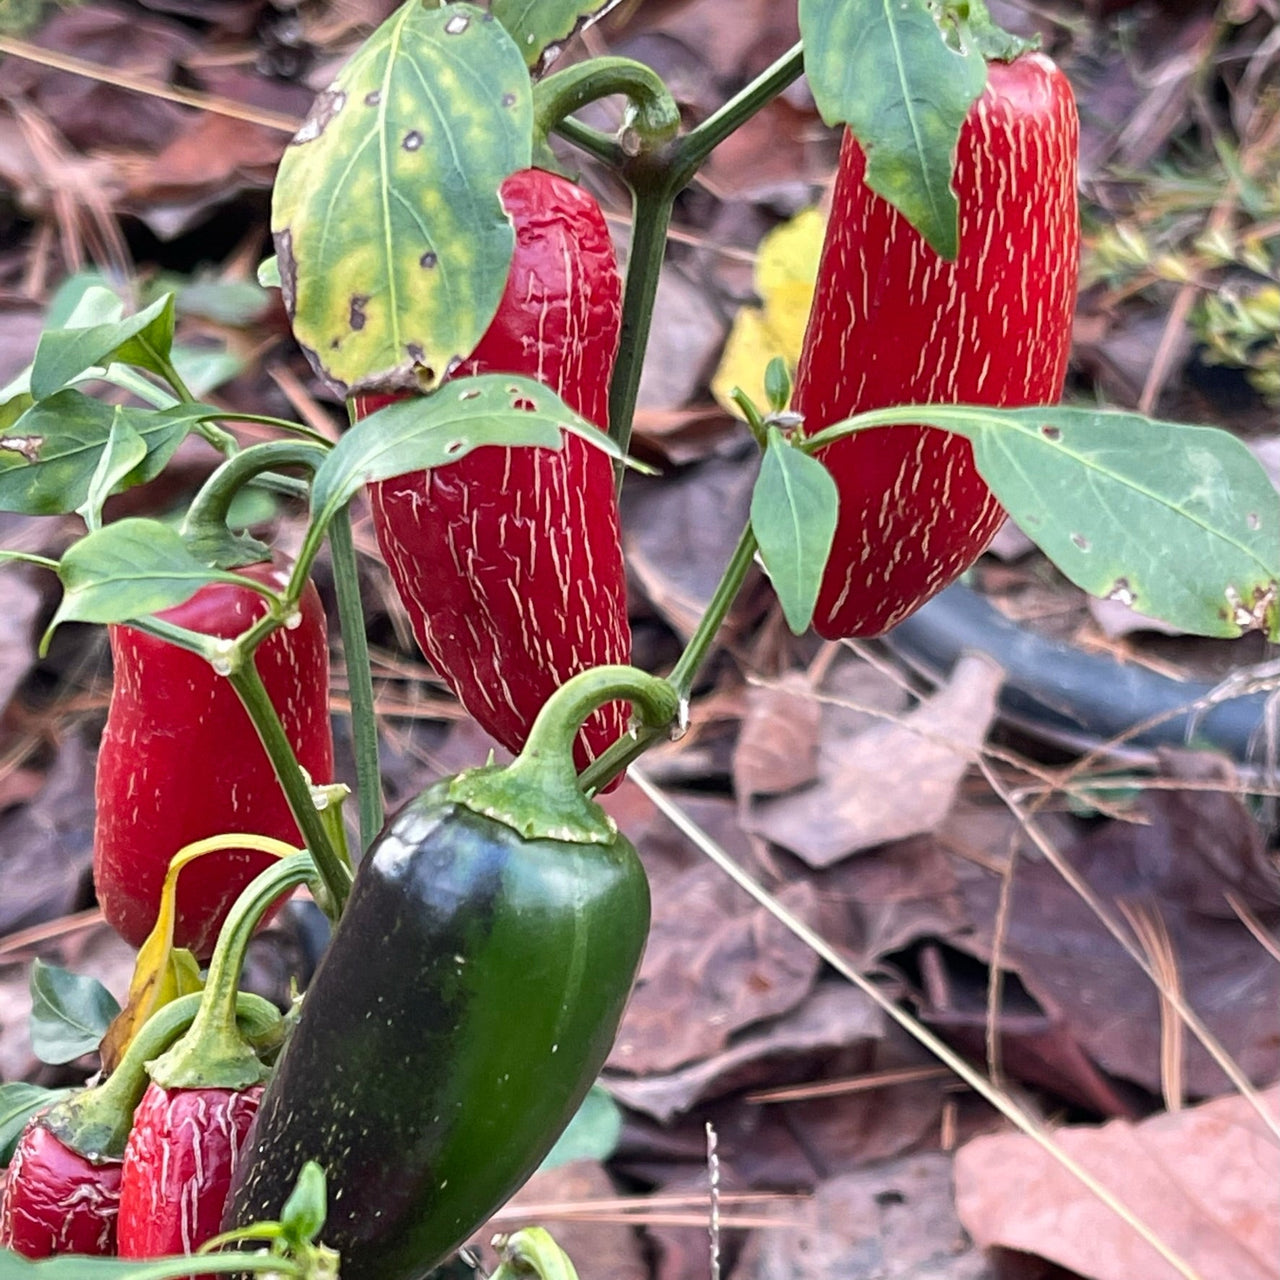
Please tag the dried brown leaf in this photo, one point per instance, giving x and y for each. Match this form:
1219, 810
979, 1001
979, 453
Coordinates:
715, 963
1207, 1180
896, 780
777, 748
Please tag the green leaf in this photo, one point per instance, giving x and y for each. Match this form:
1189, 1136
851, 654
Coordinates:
50, 456
269, 272
541, 28
202, 370
128, 570
793, 515
304, 1211
1179, 522
83, 299
393, 246
432, 431
885, 68
19, 1101
70, 1013
124, 450
593, 1132
142, 340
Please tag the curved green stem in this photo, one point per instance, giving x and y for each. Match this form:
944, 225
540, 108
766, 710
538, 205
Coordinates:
214, 1053
549, 745
355, 647
333, 870
538, 794
654, 116
205, 527
96, 1122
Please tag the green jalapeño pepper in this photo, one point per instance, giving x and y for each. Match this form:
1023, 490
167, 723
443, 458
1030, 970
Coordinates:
468, 999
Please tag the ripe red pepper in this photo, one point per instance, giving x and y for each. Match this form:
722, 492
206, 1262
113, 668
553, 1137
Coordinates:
180, 759
509, 561
192, 1120
58, 1200
63, 1189
893, 323
178, 1166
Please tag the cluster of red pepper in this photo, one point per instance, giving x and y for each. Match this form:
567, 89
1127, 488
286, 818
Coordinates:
530, 593
510, 566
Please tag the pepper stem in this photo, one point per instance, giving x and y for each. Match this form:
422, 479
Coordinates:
654, 117
96, 1122
214, 1053
538, 794
205, 527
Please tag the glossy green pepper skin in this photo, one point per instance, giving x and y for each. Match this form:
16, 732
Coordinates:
469, 997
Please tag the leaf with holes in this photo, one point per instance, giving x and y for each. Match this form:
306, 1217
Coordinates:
541, 28
432, 431
393, 246
1179, 522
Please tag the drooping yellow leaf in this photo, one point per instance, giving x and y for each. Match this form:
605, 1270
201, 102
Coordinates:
163, 972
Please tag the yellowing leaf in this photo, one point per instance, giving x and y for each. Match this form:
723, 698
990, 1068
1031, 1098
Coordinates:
786, 268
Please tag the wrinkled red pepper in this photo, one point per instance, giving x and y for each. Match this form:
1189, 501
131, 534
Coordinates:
57, 1200
178, 1166
509, 561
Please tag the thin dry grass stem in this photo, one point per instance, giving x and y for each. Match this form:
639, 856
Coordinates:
1254, 925
713, 1190
50, 930
992, 1041
87, 228
663, 1210
1007, 1106
303, 403
1148, 925
853, 1084
153, 89
1085, 892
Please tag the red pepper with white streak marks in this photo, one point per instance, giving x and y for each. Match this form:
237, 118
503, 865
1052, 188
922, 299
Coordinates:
509, 561
204, 1093
894, 323
178, 1166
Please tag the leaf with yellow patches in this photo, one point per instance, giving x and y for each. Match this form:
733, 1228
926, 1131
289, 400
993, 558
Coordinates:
393, 245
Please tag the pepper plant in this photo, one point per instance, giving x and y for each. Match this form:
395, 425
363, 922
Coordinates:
463, 299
